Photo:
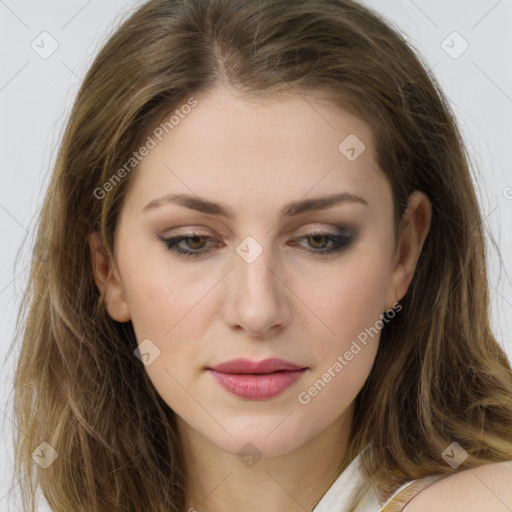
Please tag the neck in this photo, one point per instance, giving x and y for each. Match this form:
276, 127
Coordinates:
292, 482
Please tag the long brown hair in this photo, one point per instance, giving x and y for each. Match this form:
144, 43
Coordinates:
439, 376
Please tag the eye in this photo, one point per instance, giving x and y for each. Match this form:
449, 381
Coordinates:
198, 241
318, 240
193, 245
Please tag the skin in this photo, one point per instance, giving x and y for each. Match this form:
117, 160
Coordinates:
486, 487
290, 302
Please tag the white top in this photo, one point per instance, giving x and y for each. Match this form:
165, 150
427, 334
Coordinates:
342, 493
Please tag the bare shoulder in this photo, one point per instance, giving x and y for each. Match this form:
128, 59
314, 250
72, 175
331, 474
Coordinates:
487, 487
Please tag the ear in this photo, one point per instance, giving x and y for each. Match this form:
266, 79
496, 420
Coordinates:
414, 228
108, 280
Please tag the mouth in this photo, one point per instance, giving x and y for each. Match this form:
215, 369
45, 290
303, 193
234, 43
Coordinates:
257, 380
246, 366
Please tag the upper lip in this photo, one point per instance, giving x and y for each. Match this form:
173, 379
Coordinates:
247, 366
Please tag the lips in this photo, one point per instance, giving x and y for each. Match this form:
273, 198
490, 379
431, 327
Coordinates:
257, 380
247, 366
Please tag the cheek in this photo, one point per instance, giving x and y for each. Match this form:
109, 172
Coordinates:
348, 308
170, 304
345, 355
166, 308
162, 293
346, 298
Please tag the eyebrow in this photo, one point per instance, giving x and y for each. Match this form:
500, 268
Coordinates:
292, 209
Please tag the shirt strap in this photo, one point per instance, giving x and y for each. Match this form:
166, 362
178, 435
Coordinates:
398, 502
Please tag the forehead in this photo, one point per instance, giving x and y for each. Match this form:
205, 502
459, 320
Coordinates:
239, 147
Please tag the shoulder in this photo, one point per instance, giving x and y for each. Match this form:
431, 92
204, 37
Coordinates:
487, 487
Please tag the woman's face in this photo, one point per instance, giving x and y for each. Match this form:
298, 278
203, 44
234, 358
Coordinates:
258, 283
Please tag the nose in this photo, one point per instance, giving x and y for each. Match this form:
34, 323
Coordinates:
257, 298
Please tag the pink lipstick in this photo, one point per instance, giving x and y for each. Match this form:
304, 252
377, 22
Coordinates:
260, 380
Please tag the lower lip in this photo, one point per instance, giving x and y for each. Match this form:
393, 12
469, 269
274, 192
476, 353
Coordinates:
257, 387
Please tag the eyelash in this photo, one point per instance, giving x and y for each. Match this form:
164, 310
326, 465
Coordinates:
341, 242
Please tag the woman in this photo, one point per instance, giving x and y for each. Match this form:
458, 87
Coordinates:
260, 278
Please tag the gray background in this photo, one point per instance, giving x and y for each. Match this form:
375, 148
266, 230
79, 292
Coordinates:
36, 95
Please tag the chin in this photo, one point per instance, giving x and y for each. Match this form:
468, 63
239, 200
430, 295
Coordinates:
266, 436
